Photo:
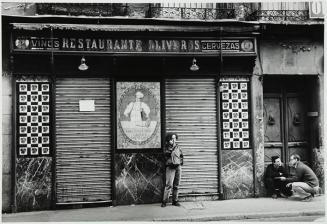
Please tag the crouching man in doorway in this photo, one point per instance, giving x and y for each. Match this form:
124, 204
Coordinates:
302, 181
173, 161
274, 172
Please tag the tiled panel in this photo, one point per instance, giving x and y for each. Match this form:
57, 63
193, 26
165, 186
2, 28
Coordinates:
235, 113
33, 184
237, 173
33, 113
139, 178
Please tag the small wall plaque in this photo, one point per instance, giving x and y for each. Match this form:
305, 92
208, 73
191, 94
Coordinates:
86, 105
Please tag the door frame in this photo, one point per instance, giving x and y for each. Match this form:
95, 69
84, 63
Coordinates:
283, 93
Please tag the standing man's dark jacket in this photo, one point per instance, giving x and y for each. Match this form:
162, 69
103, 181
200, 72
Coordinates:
173, 155
302, 173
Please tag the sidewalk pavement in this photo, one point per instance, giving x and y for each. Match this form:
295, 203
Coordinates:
235, 209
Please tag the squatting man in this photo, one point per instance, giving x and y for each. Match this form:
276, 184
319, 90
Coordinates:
302, 181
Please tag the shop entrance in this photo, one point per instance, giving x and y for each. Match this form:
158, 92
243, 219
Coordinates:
285, 118
83, 141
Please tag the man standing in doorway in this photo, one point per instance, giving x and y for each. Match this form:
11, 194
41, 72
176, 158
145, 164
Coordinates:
303, 181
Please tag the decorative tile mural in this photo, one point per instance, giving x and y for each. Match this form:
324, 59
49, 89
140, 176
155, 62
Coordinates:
139, 178
33, 183
237, 173
33, 162
235, 113
33, 126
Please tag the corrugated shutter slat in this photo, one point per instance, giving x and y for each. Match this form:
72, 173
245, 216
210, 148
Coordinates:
191, 112
83, 158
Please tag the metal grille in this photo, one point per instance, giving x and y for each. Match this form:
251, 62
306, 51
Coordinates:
83, 158
204, 11
282, 15
77, 9
282, 11
191, 112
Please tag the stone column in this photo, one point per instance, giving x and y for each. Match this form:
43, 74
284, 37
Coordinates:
258, 128
6, 141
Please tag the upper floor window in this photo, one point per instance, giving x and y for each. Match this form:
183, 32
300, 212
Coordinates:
197, 5
282, 11
202, 11
283, 5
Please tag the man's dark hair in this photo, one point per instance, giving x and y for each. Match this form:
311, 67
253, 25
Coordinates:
273, 158
170, 135
297, 157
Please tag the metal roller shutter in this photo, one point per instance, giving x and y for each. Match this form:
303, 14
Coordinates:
191, 112
83, 141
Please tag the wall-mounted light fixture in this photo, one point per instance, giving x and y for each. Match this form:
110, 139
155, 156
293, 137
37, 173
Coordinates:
83, 66
194, 67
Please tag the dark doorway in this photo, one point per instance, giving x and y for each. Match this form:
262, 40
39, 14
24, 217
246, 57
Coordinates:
285, 117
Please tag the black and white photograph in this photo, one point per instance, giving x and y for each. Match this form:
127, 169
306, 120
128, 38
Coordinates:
163, 111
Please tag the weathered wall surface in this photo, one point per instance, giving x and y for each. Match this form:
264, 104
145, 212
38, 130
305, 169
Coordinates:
301, 56
291, 56
139, 178
6, 140
33, 183
18, 8
317, 123
318, 166
258, 131
237, 174
6, 113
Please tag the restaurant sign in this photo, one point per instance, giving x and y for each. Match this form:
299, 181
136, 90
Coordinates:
238, 46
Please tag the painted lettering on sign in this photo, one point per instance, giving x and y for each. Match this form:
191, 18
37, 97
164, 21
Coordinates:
226, 45
245, 45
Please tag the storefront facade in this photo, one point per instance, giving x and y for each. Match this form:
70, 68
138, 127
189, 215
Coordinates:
91, 105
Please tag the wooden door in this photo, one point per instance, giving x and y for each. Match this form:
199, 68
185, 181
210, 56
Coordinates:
273, 127
296, 126
285, 125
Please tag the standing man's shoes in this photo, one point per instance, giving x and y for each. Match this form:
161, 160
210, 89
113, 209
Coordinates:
176, 203
274, 196
163, 204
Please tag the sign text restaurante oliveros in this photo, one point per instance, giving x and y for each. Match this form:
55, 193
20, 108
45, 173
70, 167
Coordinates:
118, 45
